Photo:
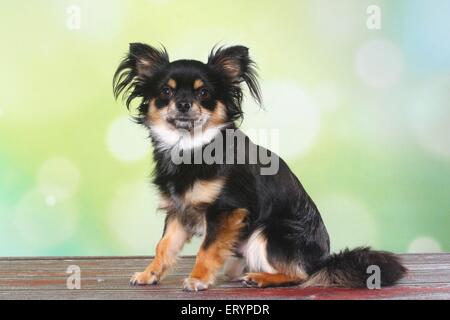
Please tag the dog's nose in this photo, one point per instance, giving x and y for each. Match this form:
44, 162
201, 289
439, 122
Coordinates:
183, 106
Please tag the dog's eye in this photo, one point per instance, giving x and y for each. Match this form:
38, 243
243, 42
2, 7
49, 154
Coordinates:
166, 92
203, 93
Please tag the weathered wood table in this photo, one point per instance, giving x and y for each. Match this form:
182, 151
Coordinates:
108, 278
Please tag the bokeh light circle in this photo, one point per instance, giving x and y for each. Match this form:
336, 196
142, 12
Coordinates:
133, 219
349, 222
430, 116
58, 178
336, 22
326, 96
8, 231
379, 63
289, 110
126, 140
424, 244
43, 225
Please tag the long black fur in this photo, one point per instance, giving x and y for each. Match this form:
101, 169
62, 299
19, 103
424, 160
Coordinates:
278, 204
349, 268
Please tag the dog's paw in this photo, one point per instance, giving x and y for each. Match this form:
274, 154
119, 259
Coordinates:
193, 284
254, 280
143, 278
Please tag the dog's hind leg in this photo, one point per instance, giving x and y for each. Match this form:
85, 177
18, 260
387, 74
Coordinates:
265, 272
264, 279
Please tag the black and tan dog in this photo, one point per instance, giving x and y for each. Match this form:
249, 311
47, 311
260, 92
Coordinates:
266, 225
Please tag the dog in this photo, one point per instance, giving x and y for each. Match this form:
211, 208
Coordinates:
264, 227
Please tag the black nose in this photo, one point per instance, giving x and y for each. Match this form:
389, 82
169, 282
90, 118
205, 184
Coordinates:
183, 106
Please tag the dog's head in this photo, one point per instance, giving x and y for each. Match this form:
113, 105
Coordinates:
185, 94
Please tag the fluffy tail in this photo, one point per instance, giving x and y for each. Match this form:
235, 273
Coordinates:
349, 268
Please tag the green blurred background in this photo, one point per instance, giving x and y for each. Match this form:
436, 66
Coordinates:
363, 117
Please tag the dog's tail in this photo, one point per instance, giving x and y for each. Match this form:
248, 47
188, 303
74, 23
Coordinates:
350, 268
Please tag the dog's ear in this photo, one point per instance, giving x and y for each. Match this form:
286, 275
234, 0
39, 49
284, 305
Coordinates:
147, 60
141, 63
237, 65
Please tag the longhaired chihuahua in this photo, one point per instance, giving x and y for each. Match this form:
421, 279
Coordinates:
264, 228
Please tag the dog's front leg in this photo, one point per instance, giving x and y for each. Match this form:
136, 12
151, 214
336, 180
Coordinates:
221, 237
174, 237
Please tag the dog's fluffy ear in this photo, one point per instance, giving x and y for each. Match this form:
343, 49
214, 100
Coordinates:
141, 62
237, 65
146, 59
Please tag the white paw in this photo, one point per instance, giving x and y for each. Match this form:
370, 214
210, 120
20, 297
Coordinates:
193, 284
143, 278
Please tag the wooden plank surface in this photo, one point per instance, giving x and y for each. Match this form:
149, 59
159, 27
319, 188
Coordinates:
108, 278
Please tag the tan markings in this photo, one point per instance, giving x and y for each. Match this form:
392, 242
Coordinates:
264, 279
197, 108
210, 259
203, 192
172, 84
143, 66
198, 84
154, 115
167, 249
218, 116
231, 67
289, 269
175, 236
157, 116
